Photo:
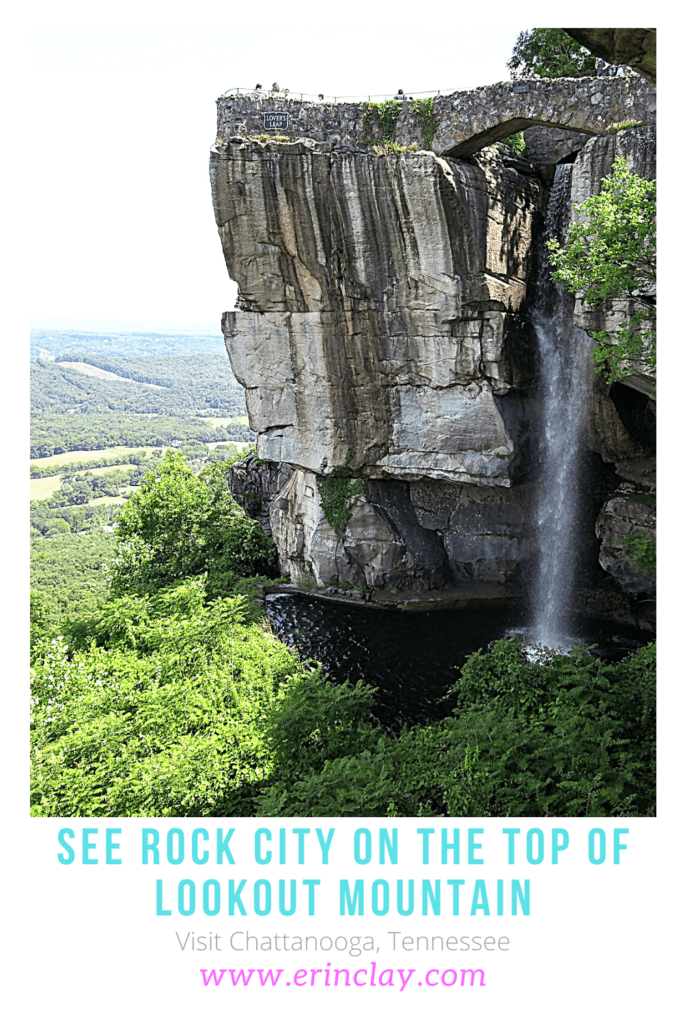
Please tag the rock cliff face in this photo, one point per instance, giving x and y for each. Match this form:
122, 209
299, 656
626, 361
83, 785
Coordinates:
634, 47
623, 425
380, 300
378, 289
382, 323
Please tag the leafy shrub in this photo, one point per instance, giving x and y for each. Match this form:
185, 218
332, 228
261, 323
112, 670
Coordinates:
164, 705
426, 118
393, 148
158, 706
612, 253
567, 735
516, 143
338, 494
383, 118
173, 699
179, 524
620, 126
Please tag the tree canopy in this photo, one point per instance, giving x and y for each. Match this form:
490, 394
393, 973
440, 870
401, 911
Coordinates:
179, 524
611, 254
549, 53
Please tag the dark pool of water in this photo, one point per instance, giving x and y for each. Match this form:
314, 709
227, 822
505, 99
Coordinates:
412, 657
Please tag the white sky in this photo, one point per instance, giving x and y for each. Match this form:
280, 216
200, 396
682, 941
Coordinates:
126, 118
123, 117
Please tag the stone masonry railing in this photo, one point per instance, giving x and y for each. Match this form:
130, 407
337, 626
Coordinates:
464, 122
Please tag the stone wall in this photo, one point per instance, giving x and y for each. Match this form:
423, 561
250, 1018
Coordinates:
467, 121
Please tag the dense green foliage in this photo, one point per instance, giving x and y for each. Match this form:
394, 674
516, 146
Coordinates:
171, 698
67, 575
167, 706
158, 706
339, 492
549, 53
52, 434
566, 735
180, 524
611, 254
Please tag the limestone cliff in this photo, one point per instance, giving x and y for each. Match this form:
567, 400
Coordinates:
378, 289
382, 318
633, 47
379, 299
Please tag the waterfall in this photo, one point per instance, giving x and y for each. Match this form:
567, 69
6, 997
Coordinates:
566, 375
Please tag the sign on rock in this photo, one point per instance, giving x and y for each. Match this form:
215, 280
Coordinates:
273, 120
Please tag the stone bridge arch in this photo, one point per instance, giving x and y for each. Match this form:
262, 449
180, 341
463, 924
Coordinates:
471, 120
467, 121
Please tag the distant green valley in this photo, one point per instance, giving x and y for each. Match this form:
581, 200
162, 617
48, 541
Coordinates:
104, 409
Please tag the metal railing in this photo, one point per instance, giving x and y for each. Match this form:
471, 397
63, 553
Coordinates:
291, 94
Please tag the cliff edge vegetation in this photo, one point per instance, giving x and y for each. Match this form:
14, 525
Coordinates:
175, 699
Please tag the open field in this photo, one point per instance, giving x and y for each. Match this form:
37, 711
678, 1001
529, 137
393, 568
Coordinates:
94, 453
240, 445
225, 421
103, 470
88, 370
44, 487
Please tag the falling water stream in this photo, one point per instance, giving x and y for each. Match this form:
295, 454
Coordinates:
566, 374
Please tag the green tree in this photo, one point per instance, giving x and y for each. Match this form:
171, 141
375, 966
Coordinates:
179, 524
611, 254
549, 53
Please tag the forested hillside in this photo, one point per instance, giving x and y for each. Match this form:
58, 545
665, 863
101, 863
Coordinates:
170, 696
87, 393
105, 408
159, 385
53, 433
